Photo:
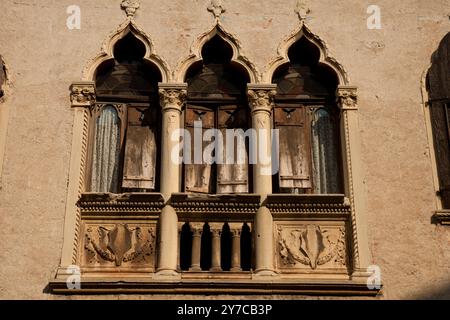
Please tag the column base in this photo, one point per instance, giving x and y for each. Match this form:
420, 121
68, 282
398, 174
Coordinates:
236, 269
196, 268
167, 274
215, 269
264, 273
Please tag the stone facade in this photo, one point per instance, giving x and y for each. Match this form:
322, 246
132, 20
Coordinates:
394, 175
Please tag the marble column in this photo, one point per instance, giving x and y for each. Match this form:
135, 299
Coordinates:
216, 232
261, 102
353, 177
197, 231
236, 231
172, 97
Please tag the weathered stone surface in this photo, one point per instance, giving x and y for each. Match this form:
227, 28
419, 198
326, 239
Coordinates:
44, 57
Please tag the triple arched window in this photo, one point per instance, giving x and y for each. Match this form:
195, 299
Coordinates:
124, 154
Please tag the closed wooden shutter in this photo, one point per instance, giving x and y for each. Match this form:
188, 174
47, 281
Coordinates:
232, 176
198, 176
439, 94
140, 155
295, 148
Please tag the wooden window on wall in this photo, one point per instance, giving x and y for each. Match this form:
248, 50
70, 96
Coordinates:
307, 119
438, 85
221, 178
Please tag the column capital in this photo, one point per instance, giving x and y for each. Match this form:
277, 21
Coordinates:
216, 229
197, 230
261, 96
82, 93
347, 97
172, 95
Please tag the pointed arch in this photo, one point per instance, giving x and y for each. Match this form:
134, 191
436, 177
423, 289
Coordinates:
282, 57
107, 51
196, 54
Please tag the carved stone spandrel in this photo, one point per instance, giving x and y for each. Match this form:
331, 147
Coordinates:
311, 246
119, 245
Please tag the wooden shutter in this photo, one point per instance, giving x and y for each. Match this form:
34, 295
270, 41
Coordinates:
439, 93
198, 177
233, 178
295, 148
139, 170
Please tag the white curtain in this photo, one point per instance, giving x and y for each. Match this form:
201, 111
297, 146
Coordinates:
325, 161
105, 164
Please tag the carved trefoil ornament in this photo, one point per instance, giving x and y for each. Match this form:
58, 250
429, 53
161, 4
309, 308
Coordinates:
130, 7
216, 8
119, 244
311, 246
302, 10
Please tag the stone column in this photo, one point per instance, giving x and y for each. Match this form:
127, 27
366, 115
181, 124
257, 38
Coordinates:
261, 103
172, 100
82, 96
216, 232
197, 231
354, 188
236, 231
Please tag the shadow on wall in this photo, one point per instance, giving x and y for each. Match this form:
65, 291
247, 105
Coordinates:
441, 293
2, 76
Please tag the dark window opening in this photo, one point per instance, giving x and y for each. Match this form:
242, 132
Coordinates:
438, 86
308, 122
128, 84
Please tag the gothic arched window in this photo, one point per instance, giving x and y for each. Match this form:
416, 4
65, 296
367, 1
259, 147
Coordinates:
307, 118
438, 85
216, 100
126, 122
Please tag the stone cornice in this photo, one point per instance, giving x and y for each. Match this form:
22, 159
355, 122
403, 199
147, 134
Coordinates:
108, 204
330, 206
210, 207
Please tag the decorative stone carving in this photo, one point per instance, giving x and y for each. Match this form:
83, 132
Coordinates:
130, 7
261, 97
347, 98
311, 245
173, 97
216, 8
302, 10
82, 94
119, 243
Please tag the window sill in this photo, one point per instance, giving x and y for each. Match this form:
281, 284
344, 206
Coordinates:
441, 217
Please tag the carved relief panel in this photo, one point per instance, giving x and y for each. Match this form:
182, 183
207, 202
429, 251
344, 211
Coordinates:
118, 245
311, 246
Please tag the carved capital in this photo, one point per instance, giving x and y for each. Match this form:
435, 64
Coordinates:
347, 98
216, 229
172, 96
261, 97
197, 230
130, 7
236, 233
82, 94
216, 8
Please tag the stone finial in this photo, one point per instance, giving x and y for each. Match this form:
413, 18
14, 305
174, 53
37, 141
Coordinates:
130, 7
302, 10
216, 8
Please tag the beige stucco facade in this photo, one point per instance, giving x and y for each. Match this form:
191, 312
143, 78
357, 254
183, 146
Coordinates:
393, 173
